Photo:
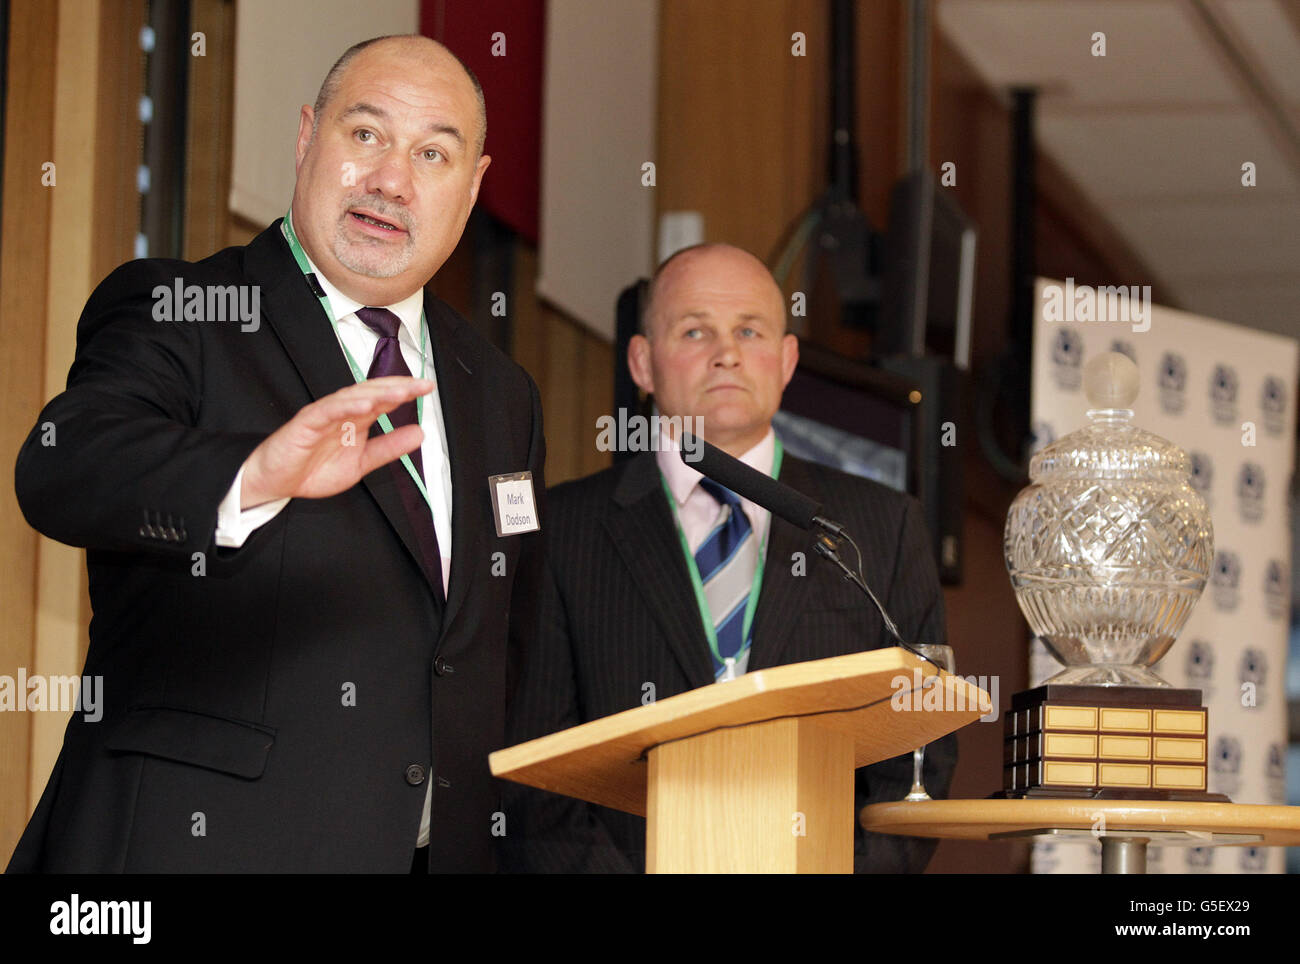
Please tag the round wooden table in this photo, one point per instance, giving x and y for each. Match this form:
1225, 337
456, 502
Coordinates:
1124, 827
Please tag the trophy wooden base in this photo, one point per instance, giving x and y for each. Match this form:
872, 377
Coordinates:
1106, 743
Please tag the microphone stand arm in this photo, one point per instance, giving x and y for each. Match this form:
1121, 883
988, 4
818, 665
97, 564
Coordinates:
827, 545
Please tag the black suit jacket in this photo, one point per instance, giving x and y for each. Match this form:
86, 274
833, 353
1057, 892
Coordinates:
618, 613
281, 706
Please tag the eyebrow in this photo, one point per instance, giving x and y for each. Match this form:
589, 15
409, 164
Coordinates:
379, 112
704, 313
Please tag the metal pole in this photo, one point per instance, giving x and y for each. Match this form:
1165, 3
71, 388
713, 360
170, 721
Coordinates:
918, 91
1123, 855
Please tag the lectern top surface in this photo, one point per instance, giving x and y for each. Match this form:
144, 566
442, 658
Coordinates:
881, 698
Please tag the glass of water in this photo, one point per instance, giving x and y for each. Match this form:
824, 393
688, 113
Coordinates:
940, 656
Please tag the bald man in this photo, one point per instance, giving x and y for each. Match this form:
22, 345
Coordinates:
620, 618
280, 460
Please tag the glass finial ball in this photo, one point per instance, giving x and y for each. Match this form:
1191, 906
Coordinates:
1110, 380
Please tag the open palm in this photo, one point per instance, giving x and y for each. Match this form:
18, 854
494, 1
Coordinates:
325, 449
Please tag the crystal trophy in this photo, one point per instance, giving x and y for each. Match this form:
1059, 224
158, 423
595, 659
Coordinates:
1108, 550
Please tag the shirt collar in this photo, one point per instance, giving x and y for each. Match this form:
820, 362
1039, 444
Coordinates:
682, 479
407, 310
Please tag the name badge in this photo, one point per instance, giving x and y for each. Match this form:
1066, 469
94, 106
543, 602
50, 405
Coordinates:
513, 507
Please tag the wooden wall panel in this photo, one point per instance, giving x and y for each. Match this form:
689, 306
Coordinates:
741, 119
121, 80
744, 123
210, 130
24, 280
73, 83
574, 371
60, 601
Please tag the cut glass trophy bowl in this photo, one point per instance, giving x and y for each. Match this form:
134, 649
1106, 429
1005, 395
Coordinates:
1109, 547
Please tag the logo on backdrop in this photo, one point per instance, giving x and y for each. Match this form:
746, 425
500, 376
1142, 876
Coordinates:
1276, 590
1250, 492
1156, 866
1224, 579
1046, 858
1172, 383
1253, 669
1227, 765
1125, 348
1041, 435
1067, 359
1200, 667
1200, 858
1202, 474
1275, 773
1253, 860
1273, 402
1223, 394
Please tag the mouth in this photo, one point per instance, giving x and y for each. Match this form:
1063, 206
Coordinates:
375, 224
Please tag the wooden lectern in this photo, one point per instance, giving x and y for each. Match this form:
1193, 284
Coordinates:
753, 775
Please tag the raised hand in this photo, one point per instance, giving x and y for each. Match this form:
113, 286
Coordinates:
326, 449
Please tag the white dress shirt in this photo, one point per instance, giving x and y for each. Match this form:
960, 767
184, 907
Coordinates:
696, 509
235, 525
698, 512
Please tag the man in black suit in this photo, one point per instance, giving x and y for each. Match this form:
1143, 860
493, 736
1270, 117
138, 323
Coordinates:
632, 566
300, 672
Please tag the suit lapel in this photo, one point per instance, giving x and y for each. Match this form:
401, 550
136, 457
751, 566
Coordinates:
783, 595
456, 359
295, 314
644, 533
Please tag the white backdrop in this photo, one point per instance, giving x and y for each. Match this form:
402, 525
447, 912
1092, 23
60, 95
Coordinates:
1214, 389
598, 129
282, 52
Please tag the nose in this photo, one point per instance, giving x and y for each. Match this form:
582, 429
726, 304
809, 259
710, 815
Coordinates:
726, 352
392, 177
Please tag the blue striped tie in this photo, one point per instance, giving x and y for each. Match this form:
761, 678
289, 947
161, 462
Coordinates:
726, 560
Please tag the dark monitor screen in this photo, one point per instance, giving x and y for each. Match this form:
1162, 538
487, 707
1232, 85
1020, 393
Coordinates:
929, 273
852, 417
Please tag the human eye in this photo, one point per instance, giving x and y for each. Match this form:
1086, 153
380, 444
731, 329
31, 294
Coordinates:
364, 136
433, 154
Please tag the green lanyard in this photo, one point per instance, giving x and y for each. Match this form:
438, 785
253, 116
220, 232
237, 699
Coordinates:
710, 631
301, 257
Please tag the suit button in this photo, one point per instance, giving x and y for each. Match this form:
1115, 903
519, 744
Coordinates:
415, 774
442, 667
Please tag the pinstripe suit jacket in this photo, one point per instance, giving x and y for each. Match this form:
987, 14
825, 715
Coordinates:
618, 612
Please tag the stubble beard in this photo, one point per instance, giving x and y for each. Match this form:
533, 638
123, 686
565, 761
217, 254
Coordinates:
373, 257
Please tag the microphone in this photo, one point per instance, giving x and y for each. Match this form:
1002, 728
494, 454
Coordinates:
779, 499
787, 503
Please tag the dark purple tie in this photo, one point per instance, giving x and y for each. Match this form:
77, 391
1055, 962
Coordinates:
388, 361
